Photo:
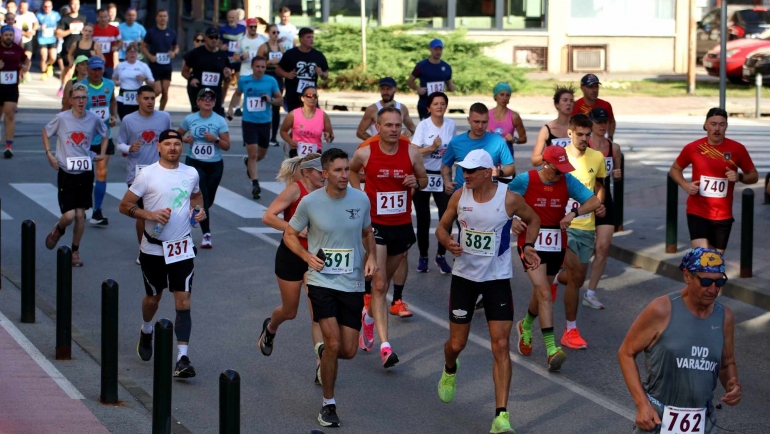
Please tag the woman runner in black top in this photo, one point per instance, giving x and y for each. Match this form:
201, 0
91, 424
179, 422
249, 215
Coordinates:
563, 101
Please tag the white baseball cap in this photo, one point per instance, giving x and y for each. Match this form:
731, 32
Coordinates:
477, 158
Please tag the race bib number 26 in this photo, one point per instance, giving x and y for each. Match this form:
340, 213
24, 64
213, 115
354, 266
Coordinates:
683, 421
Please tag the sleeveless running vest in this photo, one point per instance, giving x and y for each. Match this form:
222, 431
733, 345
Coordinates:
548, 202
501, 128
391, 201
608, 158
372, 129
554, 140
308, 130
485, 236
289, 212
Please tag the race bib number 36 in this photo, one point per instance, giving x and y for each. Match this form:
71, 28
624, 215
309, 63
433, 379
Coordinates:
203, 151
77, 164
338, 261
9, 77
478, 243
393, 202
683, 420
713, 187
435, 183
178, 250
548, 240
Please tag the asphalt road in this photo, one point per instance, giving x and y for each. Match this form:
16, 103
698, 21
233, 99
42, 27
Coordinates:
235, 290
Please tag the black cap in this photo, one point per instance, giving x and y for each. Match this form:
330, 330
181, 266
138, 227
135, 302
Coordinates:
210, 31
589, 80
716, 111
598, 114
169, 134
206, 90
388, 81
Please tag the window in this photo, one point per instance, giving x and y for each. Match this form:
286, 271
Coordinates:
475, 14
524, 14
622, 18
304, 13
349, 12
435, 12
227, 5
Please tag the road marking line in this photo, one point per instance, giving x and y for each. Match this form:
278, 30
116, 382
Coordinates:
760, 323
117, 189
45, 195
38, 357
260, 231
5, 216
239, 205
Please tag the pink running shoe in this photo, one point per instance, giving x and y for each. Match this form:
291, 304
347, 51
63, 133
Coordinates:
366, 339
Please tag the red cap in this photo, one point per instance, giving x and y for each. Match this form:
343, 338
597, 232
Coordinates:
252, 22
557, 157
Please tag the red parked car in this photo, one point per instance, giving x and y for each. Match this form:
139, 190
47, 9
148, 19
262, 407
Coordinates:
737, 52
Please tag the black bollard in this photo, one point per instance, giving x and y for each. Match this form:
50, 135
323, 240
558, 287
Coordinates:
64, 303
28, 271
672, 211
229, 402
109, 391
161, 384
767, 196
617, 195
747, 232
1, 243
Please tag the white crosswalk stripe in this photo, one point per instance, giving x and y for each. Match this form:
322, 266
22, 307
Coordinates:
5, 216
43, 194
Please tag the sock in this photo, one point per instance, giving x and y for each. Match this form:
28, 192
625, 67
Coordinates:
147, 327
367, 319
528, 321
367, 286
571, 325
451, 371
267, 329
182, 352
384, 345
499, 410
75, 248
398, 291
254, 182
9, 143
237, 107
100, 189
183, 325
550, 346
590, 292
329, 401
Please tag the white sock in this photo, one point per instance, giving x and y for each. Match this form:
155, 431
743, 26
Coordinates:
329, 402
556, 278
571, 325
147, 327
237, 107
367, 319
590, 292
384, 345
182, 352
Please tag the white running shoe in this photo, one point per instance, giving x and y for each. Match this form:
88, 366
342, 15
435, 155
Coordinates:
592, 302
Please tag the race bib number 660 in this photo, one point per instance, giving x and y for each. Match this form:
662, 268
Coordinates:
178, 250
683, 420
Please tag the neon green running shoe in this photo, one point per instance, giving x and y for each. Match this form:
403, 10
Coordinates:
502, 424
447, 383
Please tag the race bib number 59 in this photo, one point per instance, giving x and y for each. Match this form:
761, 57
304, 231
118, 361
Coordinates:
9, 77
178, 250
683, 420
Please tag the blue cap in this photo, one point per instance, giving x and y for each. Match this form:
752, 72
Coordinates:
95, 62
436, 43
7, 29
388, 81
703, 260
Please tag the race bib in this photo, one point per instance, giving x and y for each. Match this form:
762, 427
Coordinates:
129, 98
203, 151
435, 86
178, 250
304, 149
392, 202
102, 112
573, 204
105, 47
49, 32
548, 240
210, 78
139, 168
561, 142
79, 164
435, 183
683, 420
713, 187
275, 55
9, 77
162, 59
76, 28
233, 46
338, 261
252, 54
478, 243
256, 104
304, 84
610, 163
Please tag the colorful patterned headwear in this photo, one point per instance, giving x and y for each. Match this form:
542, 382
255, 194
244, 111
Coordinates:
703, 260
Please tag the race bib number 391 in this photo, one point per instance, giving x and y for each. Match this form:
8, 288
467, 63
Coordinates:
178, 250
338, 261
393, 202
683, 421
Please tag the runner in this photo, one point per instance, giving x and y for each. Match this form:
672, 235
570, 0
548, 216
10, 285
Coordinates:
159, 47
273, 51
556, 131
432, 136
393, 168
483, 266
368, 125
303, 128
506, 122
435, 76
170, 191
80, 74
249, 46
138, 140
339, 229
129, 75
108, 38
605, 226
589, 86
46, 38
192, 95
27, 22
131, 33
208, 137
10, 20
85, 46
69, 29
112, 9
715, 161
688, 342
547, 192
300, 67
207, 66
288, 33
261, 90
230, 36
13, 62
74, 162
290, 269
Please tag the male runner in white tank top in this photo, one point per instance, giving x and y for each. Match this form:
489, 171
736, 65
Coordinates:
388, 90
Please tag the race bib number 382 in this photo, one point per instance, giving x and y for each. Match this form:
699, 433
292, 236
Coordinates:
480, 243
683, 421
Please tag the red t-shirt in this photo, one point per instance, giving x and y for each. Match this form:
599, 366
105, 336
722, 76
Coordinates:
12, 58
581, 107
391, 201
106, 38
714, 200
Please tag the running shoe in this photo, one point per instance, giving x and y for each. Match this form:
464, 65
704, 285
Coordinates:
60, 92
76, 262
43, 76
422, 264
238, 113
144, 347
53, 238
479, 302
502, 424
366, 339
138, 255
328, 416
556, 359
554, 291
525, 340
274, 142
389, 358
184, 369
97, 219
572, 339
49, 71
8, 151
443, 267
592, 302
400, 308
256, 190
319, 352
447, 384
206, 241
367, 301
246, 163
265, 342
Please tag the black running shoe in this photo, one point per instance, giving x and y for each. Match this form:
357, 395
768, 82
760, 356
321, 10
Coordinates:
8, 151
184, 369
328, 416
265, 342
246, 163
144, 347
256, 190
97, 219
238, 113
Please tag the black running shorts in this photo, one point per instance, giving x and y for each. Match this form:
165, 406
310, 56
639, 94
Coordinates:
552, 261
398, 239
497, 299
289, 266
717, 232
158, 275
257, 134
331, 303
75, 190
96, 149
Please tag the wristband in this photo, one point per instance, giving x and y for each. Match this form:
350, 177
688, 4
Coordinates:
577, 214
740, 177
527, 244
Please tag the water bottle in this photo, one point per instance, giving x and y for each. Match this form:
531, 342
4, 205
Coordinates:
160, 226
195, 212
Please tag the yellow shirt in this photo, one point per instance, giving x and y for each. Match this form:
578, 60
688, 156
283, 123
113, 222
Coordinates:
588, 169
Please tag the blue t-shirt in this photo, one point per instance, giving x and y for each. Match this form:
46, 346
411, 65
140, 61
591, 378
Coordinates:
198, 126
255, 109
51, 22
129, 34
231, 36
576, 189
430, 74
99, 99
462, 144
160, 41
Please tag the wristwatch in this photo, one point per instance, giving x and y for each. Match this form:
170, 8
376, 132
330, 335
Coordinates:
575, 210
740, 177
216, 142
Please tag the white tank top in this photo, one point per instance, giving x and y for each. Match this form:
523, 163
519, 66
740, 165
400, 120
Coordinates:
372, 129
485, 237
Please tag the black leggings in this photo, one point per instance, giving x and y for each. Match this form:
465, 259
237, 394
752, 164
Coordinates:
210, 175
421, 200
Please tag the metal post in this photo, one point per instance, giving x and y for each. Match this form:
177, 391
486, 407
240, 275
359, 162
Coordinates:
723, 55
617, 195
64, 303
109, 391
229, 402
363, 35
28, 271
161, 384
767, 196
758, 109
692, 48
672, 210
747, 232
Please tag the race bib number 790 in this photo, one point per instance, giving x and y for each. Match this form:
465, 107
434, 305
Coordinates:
683, 420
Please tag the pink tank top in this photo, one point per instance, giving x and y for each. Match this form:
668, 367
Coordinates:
308, 130
501, 128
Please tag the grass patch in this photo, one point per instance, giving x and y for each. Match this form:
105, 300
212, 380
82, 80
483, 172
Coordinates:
644, 88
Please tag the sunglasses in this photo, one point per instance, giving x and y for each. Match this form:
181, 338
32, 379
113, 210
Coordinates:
207, 98
79, 98
311, 95
200, 41
274, 32
706, 282
472, 171
252, 27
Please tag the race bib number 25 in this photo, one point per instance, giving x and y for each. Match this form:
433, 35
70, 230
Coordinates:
683, 421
